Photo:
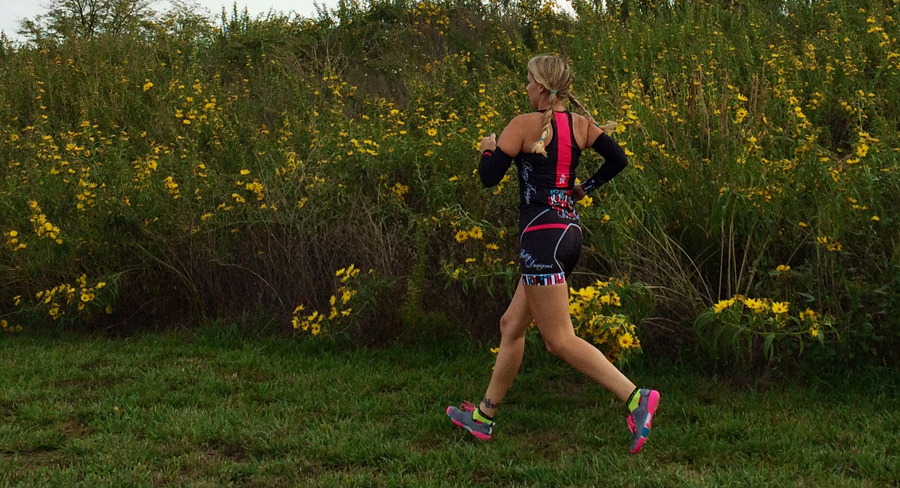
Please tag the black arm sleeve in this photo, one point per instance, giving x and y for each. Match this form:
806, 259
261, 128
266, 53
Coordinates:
494, 165
614, 162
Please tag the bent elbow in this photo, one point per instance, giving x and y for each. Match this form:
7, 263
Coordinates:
489, 182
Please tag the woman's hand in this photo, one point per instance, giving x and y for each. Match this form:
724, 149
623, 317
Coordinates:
578, 192
489, 143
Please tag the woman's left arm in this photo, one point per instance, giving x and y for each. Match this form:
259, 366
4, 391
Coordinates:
614, 161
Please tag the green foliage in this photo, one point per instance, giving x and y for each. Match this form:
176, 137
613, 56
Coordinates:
210, 167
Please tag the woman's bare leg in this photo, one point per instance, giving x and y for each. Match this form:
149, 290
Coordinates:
549, 306
513, 325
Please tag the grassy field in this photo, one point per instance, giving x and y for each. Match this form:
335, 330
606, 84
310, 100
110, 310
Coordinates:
213, 408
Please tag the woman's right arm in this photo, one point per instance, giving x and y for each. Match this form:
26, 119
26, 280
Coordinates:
495, 161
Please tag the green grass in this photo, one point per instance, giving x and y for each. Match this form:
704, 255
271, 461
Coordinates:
212, 408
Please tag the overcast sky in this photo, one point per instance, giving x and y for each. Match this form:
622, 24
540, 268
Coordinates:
14, 11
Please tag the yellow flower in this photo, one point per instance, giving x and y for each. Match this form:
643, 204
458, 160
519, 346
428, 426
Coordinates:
755, 305
814, 331
780, 307
783, 268
862, 150
491, 246
611, 298
722, 305
495, 350
461, 236
575, 309
475, 233
586, 201
588, 293
626, 340
147, 85
432, 132
255, 187
400, 189
808, 314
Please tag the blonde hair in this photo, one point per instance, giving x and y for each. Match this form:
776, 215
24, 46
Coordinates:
554, 74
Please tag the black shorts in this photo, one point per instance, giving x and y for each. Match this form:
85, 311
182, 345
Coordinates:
549, 246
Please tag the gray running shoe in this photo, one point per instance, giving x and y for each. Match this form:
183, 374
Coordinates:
462, 417
640, 419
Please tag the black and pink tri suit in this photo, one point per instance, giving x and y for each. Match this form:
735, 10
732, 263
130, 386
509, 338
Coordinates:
549, 226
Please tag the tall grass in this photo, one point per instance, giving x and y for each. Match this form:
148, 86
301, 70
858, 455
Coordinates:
232, 166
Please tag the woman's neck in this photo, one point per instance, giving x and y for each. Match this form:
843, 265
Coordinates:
557, 108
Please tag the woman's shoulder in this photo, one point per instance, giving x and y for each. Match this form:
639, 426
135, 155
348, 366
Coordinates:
582, 128
579, 119
524, 124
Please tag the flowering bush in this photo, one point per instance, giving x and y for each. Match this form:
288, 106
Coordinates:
764, 323
229, 168
597, 315
340, 306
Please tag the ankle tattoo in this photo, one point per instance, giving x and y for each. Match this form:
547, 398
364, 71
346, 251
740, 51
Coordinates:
489, 404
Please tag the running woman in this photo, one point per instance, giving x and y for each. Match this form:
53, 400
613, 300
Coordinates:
546, 145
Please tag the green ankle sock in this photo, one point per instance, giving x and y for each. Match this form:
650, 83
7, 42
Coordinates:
477, 415
634, 400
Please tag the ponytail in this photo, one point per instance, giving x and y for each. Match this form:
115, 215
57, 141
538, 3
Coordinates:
609, 126
539, 147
